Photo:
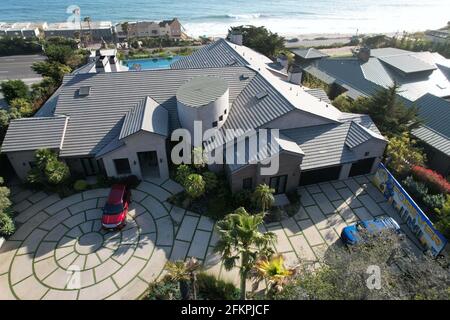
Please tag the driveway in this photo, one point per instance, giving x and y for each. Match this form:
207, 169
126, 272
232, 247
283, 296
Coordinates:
60, 236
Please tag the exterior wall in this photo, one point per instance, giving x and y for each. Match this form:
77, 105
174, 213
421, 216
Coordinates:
154, 29
207, 114
139, 142
21, 162
289, 165
97, 34
175, 29
296, 119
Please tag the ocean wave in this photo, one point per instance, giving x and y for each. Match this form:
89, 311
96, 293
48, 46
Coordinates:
230, 16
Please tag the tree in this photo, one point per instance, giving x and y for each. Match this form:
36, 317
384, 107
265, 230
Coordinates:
240, 238
6, 222
23, 106
4, 119
183, 272
260, 39
274, 272
402, 154
390, 114
345, 274
126, 29
59, 53
183, 171
53, 70
88, 20
194, 185
13, 89
263, 197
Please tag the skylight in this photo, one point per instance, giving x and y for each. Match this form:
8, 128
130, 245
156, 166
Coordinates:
261, 94
84, 91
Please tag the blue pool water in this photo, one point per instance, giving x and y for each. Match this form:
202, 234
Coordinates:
150, 64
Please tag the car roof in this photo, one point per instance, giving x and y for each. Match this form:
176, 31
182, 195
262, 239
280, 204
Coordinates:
380, 224
116, 194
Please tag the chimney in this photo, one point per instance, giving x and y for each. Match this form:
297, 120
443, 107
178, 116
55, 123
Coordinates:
100, 65
236, 38
363, 54
295, 74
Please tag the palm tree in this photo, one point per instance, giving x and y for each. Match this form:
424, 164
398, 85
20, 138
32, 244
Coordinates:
88, 20
126, 29
273, 271
263, 197
183, 272
195, 185
240, 238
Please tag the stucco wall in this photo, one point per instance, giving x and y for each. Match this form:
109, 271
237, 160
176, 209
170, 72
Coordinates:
139, 142
21, 162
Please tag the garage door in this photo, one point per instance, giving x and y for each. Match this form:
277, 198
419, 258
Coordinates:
319, 175
361, 167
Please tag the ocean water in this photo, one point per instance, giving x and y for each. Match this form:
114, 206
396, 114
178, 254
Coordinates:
214, 17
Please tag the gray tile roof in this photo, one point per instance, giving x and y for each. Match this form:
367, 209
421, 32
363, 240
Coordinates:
148, 116
309, 53
97, 119
433, 138
35, 133
325, 145
215, 55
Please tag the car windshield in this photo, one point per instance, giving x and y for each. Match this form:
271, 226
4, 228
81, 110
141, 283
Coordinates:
113, 208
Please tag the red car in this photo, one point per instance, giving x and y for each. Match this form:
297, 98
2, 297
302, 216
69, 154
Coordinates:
116, 207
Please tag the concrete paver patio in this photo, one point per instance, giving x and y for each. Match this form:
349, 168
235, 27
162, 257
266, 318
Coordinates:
61, 238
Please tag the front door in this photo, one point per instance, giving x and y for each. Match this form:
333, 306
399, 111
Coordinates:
149, 164
91, 167
278, 183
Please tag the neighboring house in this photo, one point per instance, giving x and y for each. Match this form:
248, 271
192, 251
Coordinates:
22, 29
439, 36
140, 29
120, 123
424, 79
98, 29
102, 60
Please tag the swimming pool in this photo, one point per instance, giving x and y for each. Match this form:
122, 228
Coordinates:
149, 64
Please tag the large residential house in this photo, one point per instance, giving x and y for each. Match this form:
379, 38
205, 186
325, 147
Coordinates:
120, 123
424, 79
141, 29
98, 30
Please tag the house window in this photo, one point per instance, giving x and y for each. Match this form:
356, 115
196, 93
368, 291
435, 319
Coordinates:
214, 124
221, 118
122, 166
247, 184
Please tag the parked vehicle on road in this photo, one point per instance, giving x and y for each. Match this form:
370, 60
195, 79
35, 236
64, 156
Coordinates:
351, 235
116, 207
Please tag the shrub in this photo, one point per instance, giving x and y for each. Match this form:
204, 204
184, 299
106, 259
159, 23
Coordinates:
210, 180
210, 288
22, 106
7, 226
80, 185
242, 198
48, 169
183, 171
194, 185
417, 189
57, 172
434, 201
402, 153
6, 222
163, 290
443, 225
13, 89
436, 182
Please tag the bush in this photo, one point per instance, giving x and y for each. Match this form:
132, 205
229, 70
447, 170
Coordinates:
14, 89
80, 185
210, 288
210, 180
183, 171
48, 170
434, 201
242, 198
433, 180
164, 290
7, 226
195, 185
417, 189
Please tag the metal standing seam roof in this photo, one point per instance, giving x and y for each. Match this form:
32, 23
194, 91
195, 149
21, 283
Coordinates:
309, 53
325, 145
433, 138
215, 55
407, 63
358, 134
201, 91
319, 94
97, 119
147, 116
35, 133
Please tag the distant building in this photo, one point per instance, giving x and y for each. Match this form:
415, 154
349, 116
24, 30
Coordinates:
139, 29
97, 29
440, 36
22, 29
424, 79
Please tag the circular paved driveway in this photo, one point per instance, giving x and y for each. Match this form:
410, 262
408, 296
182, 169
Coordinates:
61, 251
